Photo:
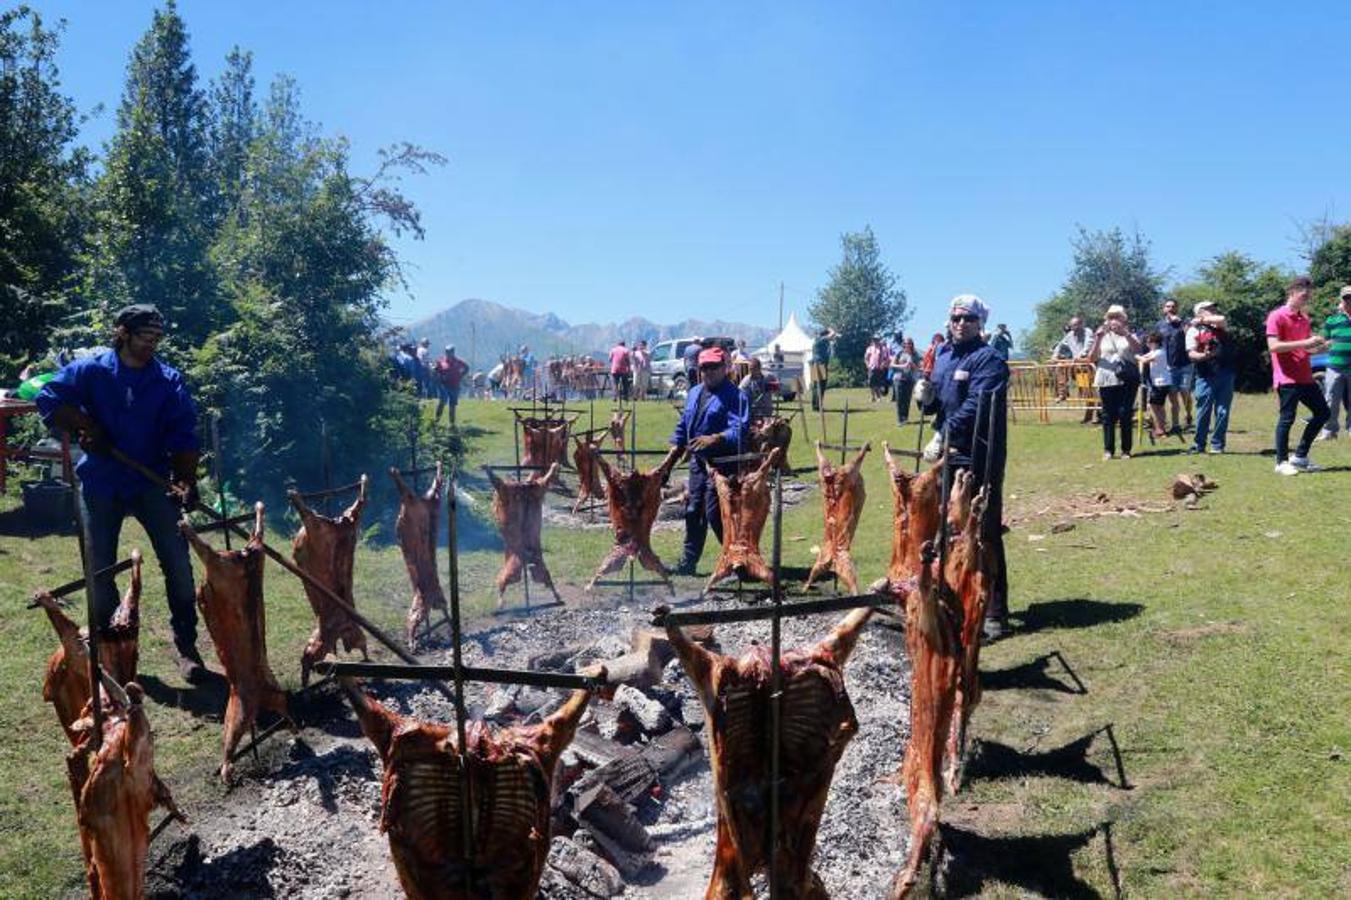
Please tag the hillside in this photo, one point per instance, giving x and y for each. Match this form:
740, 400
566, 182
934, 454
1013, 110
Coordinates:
481, 329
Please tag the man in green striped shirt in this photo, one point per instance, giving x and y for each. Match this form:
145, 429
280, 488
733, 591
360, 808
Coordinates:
1337, 378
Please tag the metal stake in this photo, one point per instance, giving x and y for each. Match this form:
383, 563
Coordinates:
215, 471
95, 676
775, 686
466, 802
844, 435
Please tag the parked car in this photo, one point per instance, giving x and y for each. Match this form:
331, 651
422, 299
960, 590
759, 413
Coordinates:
668, 364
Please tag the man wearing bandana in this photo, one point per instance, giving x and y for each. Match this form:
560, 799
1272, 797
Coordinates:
968, 375
128, 399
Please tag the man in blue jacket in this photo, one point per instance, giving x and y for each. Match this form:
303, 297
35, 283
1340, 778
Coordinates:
712, 425
968, 375
128, 399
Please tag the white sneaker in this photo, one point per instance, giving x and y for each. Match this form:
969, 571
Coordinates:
1326, 435
1304, 464
1286, 468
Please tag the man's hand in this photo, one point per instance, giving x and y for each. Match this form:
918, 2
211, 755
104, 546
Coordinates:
924, 392
184, 493
93, 439
704, 442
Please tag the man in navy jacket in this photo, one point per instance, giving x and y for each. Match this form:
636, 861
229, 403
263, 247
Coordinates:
968, 376
128, 399
712, 425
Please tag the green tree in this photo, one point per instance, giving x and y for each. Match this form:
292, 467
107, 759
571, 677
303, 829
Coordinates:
860, 301
306, 268
42, 189
1110, 267
1245, 292
153, 204
233, 123
1330, 268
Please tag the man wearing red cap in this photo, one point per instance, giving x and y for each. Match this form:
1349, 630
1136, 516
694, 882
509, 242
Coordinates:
712, 425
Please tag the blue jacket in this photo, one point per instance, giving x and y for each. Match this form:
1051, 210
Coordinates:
962, 372
147, 413
725, 414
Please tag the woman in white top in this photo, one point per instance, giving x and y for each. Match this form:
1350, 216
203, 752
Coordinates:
1117, 377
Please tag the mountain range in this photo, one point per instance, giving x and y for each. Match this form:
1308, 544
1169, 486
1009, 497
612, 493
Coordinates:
482, 330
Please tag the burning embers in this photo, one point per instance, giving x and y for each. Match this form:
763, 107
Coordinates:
816, 721
635, 500
518, 507
416, 529
325, 549
509, 777
231, 601
743, 501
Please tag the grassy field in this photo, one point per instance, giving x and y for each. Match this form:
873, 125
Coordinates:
1213, 641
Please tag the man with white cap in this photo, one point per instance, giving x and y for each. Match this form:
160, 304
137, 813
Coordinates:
968, 376
1211, 350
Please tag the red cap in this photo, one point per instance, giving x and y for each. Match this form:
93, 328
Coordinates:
713, 356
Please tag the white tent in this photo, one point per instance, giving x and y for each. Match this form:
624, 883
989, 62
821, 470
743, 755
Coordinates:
796, 346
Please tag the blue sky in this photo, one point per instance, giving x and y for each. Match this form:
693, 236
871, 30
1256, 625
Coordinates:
673, 160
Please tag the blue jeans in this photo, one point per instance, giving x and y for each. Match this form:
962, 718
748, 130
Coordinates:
1214, 394
159, 517
701, 513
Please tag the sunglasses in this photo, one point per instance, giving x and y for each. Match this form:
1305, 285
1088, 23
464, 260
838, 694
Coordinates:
968, 318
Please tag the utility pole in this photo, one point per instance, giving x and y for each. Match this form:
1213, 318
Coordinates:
780, 306
473, 343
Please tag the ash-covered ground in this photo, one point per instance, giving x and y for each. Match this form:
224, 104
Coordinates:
303, 820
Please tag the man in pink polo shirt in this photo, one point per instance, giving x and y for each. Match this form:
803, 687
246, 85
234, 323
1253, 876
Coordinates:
1290, 340
621, 370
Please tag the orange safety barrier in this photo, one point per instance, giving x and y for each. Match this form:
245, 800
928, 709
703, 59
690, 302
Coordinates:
1045, 387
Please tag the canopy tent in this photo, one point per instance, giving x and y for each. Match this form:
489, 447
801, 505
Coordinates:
792, 339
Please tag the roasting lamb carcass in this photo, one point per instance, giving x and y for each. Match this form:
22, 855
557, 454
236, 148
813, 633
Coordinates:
545, 440
635, 499
231, 600
915, 516
66, 686
842, 497
325, 550
619, 420
518, 509
510, 775
816, 721
970, 574
115, 788
743, 501
933, 640
416, 528
589, 485
766, 434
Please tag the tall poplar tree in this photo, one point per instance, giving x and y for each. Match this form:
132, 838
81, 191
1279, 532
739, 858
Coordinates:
860, 301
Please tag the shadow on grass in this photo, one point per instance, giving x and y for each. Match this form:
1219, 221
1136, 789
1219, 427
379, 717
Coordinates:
993, 760
18, 522
184, 871
1074, 613
1040, 864
203, 701
1032, 675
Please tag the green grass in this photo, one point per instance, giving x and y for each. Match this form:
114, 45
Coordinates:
1215, 646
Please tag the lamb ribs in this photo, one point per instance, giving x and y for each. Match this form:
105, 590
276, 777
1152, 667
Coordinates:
325, 549
545, 440
817, 722
743, 501
769, 433
518, 510
509, 778
842, 496
589, 484
416, 529
635, 500
231, 601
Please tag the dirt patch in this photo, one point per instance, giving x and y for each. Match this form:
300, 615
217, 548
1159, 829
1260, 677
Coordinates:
1210, 629
1025, 511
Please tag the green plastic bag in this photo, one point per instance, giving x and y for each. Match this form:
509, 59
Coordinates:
30, 388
